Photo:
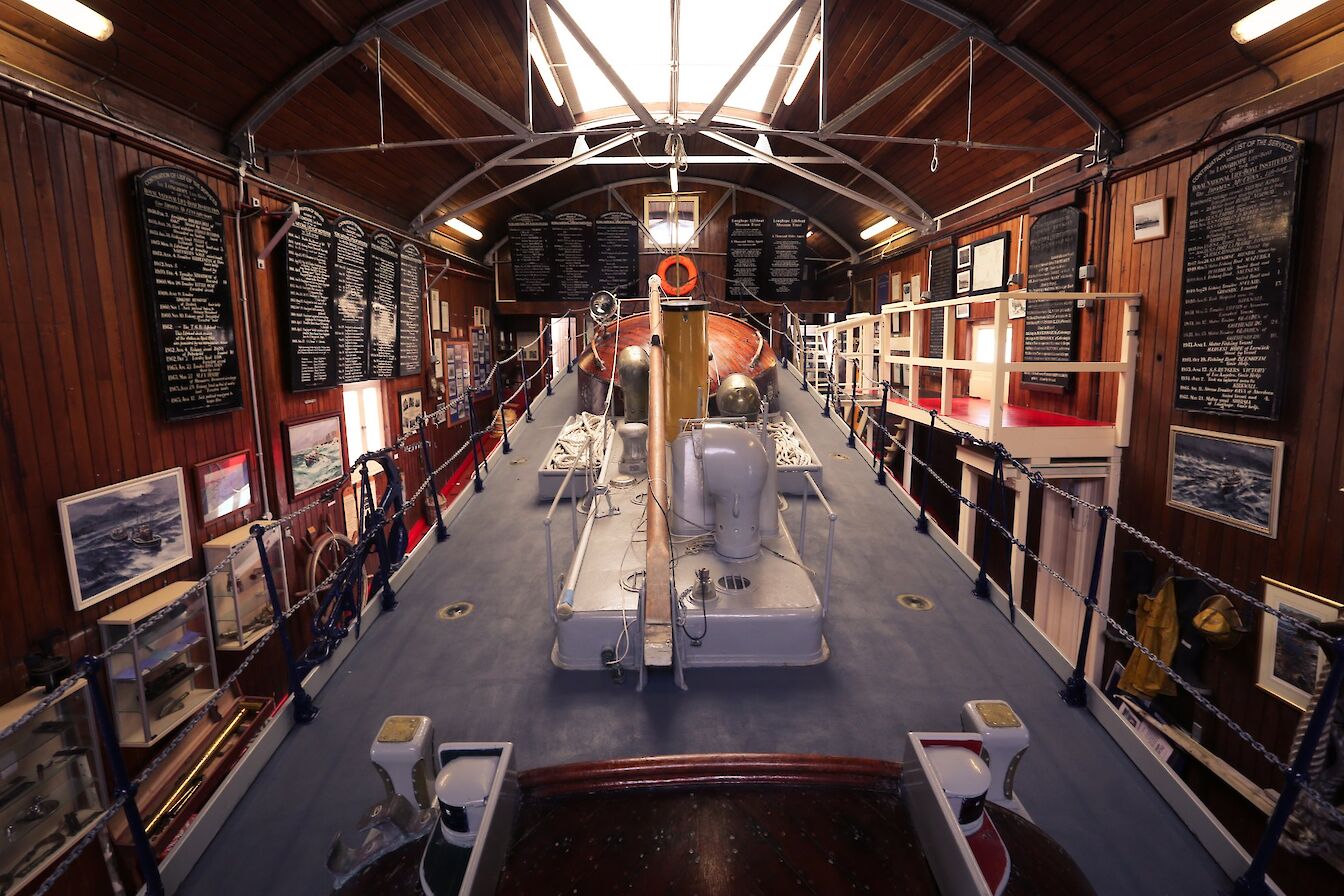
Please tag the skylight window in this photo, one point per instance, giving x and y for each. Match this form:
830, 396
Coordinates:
636, 39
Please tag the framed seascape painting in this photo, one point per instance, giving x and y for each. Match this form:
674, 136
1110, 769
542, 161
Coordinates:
1150, 219
1231, 479
224, 485
314, 453
1289, 660
410, 405
120, 535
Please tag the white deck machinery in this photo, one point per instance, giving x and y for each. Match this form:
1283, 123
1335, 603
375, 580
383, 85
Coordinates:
683, 559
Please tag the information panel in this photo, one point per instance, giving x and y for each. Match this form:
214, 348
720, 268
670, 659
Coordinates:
942, 274
349, 299
788, 246
1051, 328
616, 253
529, 244
190, 304
306, 282
1237, 278
382, 307
410, 310
746, 256
571, 259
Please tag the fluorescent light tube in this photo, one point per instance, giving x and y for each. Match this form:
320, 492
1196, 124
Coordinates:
869, 232
801, 72
672, 173
1271, 16
544, 69
76, 15
464, 228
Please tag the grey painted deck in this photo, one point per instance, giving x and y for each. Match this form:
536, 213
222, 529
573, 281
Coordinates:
489, 677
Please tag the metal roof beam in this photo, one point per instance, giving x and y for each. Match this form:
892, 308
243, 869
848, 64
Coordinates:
521, 184
1109, 139
901, 78
843, 158
641, 112
707, 115
919, 224
271, 103
470, 176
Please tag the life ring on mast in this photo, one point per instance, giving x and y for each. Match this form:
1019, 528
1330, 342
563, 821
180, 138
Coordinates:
674, 289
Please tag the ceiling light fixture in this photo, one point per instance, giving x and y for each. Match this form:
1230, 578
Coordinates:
801, 72
869, 232
672, 175
464, 228
534, 49
1271, 16
76, 15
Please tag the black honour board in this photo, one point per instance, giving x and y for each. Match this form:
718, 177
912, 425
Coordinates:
1051, 328
382, 306
187, 285
309, 319
529, 246
788, 246
616, 253
746, 256
571, 245
350, 299
410, 308
942, 288
1236, 282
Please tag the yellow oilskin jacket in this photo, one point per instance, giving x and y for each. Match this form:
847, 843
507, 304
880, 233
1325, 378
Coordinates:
1159, 631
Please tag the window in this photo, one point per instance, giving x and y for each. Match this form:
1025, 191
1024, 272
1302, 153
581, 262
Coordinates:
364, 430
671, 220
982, 349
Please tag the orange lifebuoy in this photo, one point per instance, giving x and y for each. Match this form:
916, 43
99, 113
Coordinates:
677, 289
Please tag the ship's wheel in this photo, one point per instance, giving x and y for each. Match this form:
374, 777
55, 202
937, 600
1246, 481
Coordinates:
329, 551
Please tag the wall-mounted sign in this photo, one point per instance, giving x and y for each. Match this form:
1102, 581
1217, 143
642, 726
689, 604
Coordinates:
1051, 328
350, 300
306, 285
746, 256
410, 310
529, 246
1238, 276
989, 264
383, 298
616, 253
572, 250
187, 284
788, 246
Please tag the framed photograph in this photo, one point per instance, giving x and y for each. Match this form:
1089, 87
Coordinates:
529, 347
1150, 219
1232, 479
120, 535
963, 311
224, 484
905, 292
963, 282
963, 256
1290, 661
410, 405
989, 264
1017, 309
314, 453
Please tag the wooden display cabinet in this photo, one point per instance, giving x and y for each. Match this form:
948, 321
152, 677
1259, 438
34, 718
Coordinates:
239, 603
51, 784
163, 674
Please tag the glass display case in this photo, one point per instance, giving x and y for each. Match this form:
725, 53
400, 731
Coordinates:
239, 604
51, 787
163, 674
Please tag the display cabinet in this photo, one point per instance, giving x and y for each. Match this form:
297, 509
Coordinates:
51, 789
239, 603
162, 674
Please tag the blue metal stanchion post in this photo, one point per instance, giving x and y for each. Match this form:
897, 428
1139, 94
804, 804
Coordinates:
550, 375
881, 453
527, 394
981, 589
1075, 689
475, 443
830, 394
499, 400
853, 409
1252, 883
440, 530
144, 853
305, 710
922, 524
375, 525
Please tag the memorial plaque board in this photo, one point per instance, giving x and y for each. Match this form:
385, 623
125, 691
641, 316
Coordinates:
382, 307
529, 246
350, 299
1237, 278
572, 257
616, 253
788, 246
942, 274
310, 325
410, 310
1051, 328
190, 304
746, 256
883, 281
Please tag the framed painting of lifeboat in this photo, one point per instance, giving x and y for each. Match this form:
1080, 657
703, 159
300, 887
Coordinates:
119, 535
314, 453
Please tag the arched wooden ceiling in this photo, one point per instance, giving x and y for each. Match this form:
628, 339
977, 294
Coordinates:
217, 62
